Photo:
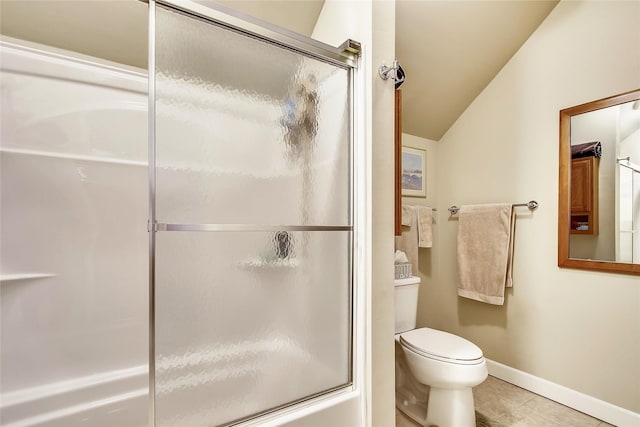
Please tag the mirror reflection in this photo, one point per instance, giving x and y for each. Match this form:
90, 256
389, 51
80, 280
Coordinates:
605, 184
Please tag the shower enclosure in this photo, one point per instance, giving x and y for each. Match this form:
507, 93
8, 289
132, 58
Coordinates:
251, 263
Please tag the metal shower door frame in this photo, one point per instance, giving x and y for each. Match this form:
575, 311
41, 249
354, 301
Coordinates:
345, 56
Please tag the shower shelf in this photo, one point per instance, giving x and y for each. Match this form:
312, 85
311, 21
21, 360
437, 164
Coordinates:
4, 278
259, 262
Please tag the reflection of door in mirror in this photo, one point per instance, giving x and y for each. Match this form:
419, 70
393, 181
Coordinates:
605, 188
584, 195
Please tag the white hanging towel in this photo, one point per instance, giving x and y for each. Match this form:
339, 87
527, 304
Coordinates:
407, 242
425, 221
408, 215
485, 251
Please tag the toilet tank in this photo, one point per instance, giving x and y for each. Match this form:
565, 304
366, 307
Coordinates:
406, 296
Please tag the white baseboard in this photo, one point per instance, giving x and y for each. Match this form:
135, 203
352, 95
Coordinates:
597, 408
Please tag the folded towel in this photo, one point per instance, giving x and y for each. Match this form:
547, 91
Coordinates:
425, 233
485, 251
408, 215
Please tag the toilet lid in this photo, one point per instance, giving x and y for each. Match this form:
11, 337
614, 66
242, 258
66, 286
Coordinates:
441, 345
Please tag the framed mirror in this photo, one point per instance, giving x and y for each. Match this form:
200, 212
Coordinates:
599, 185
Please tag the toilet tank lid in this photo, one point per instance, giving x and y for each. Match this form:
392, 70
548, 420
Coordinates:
413, 280
441, 344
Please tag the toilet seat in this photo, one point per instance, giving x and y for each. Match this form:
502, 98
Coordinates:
442, 346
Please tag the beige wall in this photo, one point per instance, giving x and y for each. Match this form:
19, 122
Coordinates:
576, 328
112, 30
338, 21
426, 256
382, 175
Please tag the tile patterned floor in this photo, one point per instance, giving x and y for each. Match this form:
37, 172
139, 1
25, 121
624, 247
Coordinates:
500, 404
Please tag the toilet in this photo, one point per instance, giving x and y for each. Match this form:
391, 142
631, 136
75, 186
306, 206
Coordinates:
435, 370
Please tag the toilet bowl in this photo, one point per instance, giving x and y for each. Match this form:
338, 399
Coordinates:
450, 366
447, 364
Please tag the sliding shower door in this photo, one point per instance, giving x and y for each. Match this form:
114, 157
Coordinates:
253, 236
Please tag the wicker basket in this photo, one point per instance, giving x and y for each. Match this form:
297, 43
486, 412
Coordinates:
403, 271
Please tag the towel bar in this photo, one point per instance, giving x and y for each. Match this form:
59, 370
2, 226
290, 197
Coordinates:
531, 205
433, 209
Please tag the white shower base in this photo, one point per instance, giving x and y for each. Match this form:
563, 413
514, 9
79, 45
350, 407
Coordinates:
116, 398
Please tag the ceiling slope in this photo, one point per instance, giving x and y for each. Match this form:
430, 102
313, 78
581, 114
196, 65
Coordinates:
450, 50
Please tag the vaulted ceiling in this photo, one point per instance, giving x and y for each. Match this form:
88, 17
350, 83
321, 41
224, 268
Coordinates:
450, 49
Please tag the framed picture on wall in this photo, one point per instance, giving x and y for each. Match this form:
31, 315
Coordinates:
414, 173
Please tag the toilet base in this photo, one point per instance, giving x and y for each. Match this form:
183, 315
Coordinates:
410, 406
448, 408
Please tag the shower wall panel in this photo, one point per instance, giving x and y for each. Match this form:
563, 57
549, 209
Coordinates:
73, 189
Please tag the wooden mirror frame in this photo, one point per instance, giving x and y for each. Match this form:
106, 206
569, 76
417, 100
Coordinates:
564, 193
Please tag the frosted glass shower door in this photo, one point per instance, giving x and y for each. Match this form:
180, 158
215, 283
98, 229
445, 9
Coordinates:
253, 236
